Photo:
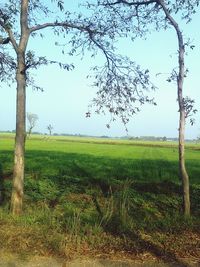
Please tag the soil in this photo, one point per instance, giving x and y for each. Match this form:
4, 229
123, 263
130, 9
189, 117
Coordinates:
14, 261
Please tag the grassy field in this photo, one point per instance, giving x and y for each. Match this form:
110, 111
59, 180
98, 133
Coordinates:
100, 196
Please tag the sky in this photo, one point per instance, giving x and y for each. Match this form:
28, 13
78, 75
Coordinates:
66, 95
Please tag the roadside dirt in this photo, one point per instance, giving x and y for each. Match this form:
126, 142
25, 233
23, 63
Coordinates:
14, 261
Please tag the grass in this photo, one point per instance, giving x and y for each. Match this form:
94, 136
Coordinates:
92, 196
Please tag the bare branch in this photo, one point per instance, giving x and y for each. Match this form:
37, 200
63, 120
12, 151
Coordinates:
137, 3
170, 18
65, 25
12, 40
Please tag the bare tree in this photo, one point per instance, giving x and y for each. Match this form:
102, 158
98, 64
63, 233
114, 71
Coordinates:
50, 128
120, 81
32, 120
136, 16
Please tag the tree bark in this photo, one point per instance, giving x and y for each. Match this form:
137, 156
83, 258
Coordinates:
18, 173
182, 116
182, 169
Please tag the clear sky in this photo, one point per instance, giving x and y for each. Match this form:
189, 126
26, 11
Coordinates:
67, 94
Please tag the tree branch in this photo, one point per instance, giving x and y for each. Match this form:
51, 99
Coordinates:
137, 3
170, 18
64, 25
12, 40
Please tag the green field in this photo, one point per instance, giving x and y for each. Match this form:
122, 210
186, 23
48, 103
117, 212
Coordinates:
102, 158
101, 194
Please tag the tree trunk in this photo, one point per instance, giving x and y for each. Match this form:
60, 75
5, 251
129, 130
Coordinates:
182, 168
18, 173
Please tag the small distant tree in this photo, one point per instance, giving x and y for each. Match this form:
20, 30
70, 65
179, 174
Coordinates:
50, 128
32, 120
164, 139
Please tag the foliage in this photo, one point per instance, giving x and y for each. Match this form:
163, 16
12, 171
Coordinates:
189, 108
139, 11
138, 18
121, 83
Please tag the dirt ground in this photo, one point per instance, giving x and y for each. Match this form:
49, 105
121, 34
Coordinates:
13, 261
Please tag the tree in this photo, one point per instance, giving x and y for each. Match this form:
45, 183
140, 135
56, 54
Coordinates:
136, 17
50, 128
32, 120
120, 81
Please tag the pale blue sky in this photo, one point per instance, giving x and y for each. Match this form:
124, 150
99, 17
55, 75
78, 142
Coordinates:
67, 94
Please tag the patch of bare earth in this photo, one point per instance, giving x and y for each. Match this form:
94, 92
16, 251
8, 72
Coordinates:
156, 249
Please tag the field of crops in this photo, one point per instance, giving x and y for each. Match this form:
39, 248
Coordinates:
97, 193
102, 158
